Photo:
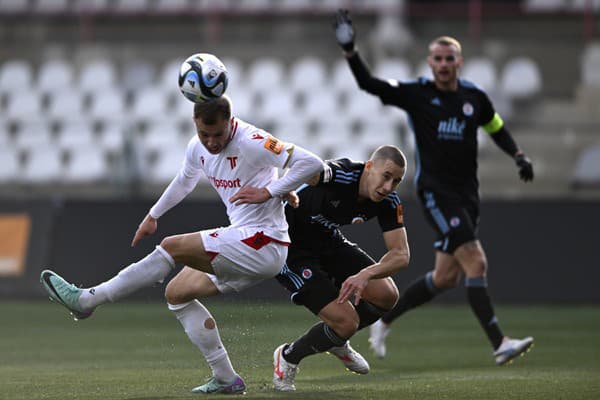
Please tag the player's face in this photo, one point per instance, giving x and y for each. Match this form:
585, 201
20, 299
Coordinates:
383, 178
214, 137
445, 62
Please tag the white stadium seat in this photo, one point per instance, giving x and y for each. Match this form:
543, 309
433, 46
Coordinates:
482, 72
23, 104
341, 78
9, 164
44, 165
149, 104
75, 133
15, 75
33, 133
308, 75
107, 105
87, 164
97, 76
394, 68
55, 75
521, 78
265, 75
65, 105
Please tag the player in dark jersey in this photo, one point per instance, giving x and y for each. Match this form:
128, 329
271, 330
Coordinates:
333, 277
445, 114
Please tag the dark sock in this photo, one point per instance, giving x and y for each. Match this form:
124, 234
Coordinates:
481, 305
318, 339
419, 292
367, 313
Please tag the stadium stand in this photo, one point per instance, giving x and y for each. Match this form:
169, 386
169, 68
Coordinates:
285, 74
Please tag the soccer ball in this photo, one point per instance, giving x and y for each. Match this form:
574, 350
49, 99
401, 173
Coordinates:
202, 77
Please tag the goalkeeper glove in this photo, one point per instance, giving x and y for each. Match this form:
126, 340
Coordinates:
344, 32
525, 167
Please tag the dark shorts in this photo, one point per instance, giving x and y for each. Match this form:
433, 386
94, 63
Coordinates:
314, 277
454, 217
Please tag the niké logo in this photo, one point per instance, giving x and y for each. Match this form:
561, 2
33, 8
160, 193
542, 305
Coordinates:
451, 129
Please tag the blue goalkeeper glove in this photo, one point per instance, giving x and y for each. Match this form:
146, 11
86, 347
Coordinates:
525, 167
344, 32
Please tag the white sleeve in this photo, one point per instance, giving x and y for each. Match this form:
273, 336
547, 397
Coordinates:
184, 182
302, 164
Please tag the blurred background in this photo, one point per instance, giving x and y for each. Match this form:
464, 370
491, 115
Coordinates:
93, 127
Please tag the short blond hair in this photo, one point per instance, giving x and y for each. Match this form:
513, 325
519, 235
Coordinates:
446, 41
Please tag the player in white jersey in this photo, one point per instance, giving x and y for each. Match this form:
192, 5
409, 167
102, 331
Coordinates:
241, 163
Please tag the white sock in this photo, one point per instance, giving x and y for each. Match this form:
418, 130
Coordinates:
194, 316
146, 272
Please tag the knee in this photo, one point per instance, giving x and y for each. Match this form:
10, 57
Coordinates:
477, 267
346, 326
389, 298
447, 280
174, 293
170, 245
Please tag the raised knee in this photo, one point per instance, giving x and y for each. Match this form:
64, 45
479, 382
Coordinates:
174, 294
446, 281
346, 327
169, 244
390, 298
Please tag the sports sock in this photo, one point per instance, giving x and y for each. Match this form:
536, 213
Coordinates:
481, 305
318, 339
146, 272
201, 328
419, 292
367, 313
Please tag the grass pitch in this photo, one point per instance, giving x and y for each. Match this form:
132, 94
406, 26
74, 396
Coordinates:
135, 351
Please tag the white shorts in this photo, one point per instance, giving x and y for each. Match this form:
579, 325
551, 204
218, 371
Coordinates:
242, 257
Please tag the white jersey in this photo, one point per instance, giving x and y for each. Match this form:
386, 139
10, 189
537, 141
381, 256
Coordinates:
251, 158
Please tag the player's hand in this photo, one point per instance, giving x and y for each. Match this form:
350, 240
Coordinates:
250, 195
344, 31
292, 199
525, 167
146, 228
353, 286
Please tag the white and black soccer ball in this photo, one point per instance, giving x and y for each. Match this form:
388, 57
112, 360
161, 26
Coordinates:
202, 77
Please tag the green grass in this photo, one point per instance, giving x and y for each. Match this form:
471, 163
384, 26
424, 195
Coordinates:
139, 352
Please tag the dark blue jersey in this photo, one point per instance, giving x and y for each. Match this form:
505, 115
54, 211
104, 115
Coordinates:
444, 123
334, 202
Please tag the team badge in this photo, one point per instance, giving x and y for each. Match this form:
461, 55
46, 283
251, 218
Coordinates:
454, 222
273, 145
306, 273
468, 109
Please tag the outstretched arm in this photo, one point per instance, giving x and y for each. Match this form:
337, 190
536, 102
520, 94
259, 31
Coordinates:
505, 141
394, 260
345, 35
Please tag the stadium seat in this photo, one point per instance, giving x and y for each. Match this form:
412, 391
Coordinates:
308, 75
341, 79
44, 165
235, 73
394, 68
520, 78
161, 134
15, 75
33, 133
294, 129
265, 75
242, 104
10, 170
107, 105
276, 104
149, 104
169, 75
323, 105
137, 76
23, 104
363, 105
75, 133
167, 165
482, 72
55, 75
182, 107
97, 76
65, 105
87, 164
587, 168
111, 137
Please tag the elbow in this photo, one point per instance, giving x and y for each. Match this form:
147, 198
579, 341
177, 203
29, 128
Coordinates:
402, 258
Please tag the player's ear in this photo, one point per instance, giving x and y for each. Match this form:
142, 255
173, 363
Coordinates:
368, 165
